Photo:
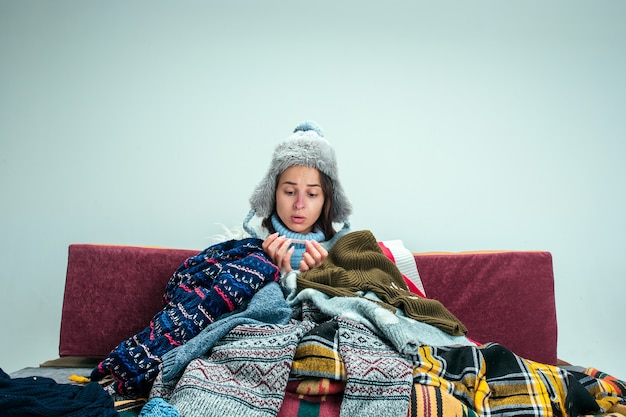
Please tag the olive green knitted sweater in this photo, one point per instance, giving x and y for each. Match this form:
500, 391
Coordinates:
356, 263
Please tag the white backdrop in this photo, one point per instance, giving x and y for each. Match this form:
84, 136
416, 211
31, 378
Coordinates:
458, 126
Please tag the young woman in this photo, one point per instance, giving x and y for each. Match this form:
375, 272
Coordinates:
299, 199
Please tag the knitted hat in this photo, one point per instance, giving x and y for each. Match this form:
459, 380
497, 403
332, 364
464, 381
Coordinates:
305, 147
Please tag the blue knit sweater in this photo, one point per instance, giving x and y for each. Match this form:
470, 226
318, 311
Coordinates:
216, 281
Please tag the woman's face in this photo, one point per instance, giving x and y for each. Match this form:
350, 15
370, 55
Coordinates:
299, 198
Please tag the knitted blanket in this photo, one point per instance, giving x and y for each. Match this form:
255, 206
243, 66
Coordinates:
247, 373
219, 280
267, 306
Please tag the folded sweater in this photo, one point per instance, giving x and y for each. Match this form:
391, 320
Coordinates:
357, 265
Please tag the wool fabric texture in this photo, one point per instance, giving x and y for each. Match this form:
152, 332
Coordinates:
379, 378
267, 306
217, 281
40, 396
405, 334
245, 374
158, 407
263, 233
356, 264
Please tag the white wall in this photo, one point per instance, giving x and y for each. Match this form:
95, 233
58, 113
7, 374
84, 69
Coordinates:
458, 126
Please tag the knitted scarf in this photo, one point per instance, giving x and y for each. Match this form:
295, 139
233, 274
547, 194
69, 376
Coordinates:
216, 281
41, 396
253, 232
299, 248
356, 264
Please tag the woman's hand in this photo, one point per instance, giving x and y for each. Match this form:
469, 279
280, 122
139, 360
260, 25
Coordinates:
279, 250
313, 255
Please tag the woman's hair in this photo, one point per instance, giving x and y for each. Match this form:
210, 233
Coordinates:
324, 222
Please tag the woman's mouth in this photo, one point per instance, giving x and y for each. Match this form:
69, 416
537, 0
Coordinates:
298, 219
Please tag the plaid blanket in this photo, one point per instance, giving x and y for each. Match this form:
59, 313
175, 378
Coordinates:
487, 380
492, 381
317, 354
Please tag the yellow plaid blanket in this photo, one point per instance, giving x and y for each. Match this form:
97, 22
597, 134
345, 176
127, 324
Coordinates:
487, 380
492, 380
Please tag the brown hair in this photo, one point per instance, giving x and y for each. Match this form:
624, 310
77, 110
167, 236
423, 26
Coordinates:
324, 222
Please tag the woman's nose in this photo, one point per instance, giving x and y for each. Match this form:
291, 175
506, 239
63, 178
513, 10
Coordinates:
299, 203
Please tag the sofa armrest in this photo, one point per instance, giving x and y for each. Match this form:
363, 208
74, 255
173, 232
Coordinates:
501, 296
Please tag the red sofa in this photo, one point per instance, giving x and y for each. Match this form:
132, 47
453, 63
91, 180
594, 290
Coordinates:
112, 292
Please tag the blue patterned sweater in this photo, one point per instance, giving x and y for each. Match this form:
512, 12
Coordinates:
217, 281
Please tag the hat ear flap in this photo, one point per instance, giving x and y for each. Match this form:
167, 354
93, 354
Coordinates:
262, 199
342, 206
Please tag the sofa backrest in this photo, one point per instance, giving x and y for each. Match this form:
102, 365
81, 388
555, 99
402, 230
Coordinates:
112, 292
500, 296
